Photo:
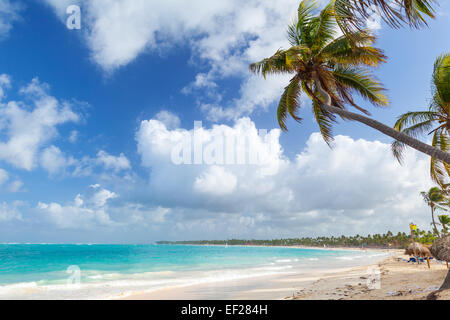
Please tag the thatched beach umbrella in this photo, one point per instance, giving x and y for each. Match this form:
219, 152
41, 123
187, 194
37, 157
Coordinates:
410, 249
417, 249
441, 251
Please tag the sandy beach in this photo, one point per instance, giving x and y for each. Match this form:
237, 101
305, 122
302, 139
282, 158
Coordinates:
399, 280
389, 279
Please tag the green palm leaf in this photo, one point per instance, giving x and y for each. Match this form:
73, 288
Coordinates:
358, 51
323, 27
282, 111
441, 82
413, 124
417, 10
305, 14
362, 81
293, 98
440, 171
273, 65
352, 15
325, 122
414, 118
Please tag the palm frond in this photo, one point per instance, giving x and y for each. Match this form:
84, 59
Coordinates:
398, 149
359, 37
415, 118
293, 98
416, 11
354, 51
293, 34
323, 27
352, 15
358, 56
345, 94
413, 124
441, 82
325, 122
414, 131
282, 111
276, 64
440, 171
304, 16
289, 103
361, 80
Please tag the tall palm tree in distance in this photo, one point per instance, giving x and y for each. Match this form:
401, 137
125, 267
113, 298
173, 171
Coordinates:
435, 121
329, 69
434, 198
444, 221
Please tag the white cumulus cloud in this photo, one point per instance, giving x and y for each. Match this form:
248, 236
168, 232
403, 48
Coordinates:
113, 163
356, 187
27, 128
216, 181
86, 212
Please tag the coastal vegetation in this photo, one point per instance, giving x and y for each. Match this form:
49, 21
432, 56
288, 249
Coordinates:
388, 240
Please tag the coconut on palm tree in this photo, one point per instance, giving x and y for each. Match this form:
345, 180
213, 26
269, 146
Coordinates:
435, 121
329, 69
434, 198
353, 14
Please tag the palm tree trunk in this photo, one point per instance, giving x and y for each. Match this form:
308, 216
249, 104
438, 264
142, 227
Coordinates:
434, 222
391, 132
446, 284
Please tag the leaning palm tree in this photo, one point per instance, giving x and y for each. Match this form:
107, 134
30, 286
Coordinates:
328, 69
435, 121
353, 14
435, 199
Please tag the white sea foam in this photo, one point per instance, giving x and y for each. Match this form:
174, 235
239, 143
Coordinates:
283, 260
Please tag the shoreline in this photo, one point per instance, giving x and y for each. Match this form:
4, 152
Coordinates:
261, 287
395, 279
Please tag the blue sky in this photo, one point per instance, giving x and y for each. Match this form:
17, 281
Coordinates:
89, 118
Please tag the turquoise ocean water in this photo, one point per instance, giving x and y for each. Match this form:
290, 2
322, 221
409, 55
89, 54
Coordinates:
45, 271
